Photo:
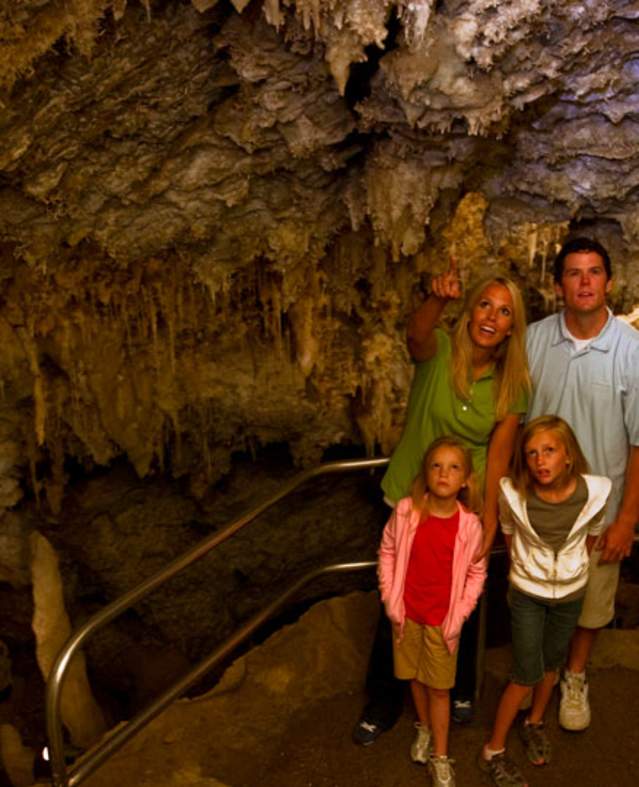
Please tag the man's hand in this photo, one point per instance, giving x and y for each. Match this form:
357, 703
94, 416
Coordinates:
447, 286
616, 542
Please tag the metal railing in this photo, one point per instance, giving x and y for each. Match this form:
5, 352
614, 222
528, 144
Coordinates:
87, 764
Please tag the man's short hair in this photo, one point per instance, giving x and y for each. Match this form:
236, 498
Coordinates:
573, 245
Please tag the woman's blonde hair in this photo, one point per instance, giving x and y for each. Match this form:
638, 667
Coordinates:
511, 365
577, 464
470, 495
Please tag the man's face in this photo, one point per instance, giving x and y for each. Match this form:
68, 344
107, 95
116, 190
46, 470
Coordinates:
584, 283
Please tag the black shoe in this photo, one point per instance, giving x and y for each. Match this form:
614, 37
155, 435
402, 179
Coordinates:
462, 711
366, 732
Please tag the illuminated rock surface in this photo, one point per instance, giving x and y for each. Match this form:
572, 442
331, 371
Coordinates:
212, 222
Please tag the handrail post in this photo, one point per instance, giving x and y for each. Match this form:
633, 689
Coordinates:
55, 683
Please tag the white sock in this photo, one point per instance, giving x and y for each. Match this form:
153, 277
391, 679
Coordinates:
581, 675
488, 754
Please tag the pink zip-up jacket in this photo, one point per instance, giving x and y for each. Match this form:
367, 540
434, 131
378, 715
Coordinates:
468, 574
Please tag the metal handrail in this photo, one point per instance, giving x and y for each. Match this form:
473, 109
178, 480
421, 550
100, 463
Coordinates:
60, 776
113, 743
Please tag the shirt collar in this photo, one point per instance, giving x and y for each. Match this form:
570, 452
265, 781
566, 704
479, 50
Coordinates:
602, 341
487, 375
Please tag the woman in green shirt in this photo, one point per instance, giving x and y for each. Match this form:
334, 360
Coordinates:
473, 385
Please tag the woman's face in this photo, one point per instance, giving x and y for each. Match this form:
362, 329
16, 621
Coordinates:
491, 319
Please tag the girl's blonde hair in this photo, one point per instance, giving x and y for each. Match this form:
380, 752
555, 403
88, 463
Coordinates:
511, 365
470, 495
578, 465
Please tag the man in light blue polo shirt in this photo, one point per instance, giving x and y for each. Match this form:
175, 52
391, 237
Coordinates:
584, 365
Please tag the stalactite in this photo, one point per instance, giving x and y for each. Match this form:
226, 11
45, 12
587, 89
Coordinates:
151, 321
174, 421
118, 7
273, 13
167, 294
32, 457
203, 413
302, 316
54, 487
39, 401
378, 272
415, 14
544, 258
178, 285
126, 322
276, 318
84, 325
532, 246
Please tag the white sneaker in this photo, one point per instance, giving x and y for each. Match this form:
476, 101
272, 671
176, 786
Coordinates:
441, 771
420, 749
574, 709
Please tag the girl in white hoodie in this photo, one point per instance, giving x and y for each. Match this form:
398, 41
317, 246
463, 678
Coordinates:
551, 514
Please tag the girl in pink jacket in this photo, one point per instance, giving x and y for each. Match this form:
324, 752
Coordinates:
429, 582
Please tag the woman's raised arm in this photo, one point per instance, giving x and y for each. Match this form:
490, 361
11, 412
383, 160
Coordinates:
420, 338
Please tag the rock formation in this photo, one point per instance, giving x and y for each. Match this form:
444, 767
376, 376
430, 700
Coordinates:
213, 216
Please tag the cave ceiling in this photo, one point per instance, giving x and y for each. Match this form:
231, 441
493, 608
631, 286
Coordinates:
215, 215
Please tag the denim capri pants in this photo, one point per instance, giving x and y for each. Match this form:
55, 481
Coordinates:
541, 632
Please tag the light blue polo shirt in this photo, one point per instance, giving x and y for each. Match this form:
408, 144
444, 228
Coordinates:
596, 390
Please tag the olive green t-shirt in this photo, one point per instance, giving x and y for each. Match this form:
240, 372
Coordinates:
435, 411
553, 521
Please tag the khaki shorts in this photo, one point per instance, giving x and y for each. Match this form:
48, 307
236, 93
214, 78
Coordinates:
599, 603
422, 655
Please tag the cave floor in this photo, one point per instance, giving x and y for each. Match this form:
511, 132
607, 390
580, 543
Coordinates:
283, 713
317, 751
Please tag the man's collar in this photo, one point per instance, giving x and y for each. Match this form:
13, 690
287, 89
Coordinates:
602, 341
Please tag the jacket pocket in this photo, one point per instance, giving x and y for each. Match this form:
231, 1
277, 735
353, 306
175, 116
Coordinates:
572, 566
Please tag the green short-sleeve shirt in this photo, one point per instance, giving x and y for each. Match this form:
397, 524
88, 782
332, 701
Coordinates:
434, 410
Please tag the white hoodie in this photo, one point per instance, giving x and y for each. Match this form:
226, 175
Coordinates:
535, 568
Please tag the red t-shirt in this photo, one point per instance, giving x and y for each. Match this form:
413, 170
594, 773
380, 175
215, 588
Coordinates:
429, 576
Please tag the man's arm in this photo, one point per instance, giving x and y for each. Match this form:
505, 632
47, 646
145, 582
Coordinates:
420, 338
500, 451
617, 540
